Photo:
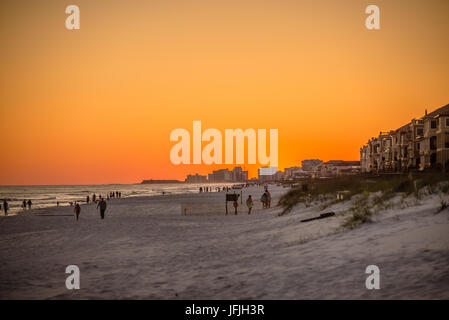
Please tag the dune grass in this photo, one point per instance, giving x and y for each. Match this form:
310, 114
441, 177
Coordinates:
388, 185
443, 206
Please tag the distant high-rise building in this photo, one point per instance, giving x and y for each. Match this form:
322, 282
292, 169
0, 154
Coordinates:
222, 175
267, 173
238, 175
196, 178
244, 176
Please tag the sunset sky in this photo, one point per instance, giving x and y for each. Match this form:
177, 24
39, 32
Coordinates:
97, 105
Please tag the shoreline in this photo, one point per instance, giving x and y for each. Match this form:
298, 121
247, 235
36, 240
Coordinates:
81, 198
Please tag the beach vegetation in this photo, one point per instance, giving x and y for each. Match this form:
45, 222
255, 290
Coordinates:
375, 192
443, 206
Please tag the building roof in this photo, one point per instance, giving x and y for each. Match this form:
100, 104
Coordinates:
442, 110
442, 115
405, 127
342, 163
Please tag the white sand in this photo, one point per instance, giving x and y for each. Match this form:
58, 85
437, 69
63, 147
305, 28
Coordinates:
145, 249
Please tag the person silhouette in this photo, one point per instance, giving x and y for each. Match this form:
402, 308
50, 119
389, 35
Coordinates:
5, 207
249, 203
235, 204
77, 210
102, 205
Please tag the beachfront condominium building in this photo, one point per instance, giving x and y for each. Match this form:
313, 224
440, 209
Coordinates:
224, 175
318, 169
295, 173
419, 145
308, 165
434, 146
196, 178
239, 175
335, 168
266, 174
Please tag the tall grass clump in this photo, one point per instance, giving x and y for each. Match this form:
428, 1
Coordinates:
443, 206
360, 213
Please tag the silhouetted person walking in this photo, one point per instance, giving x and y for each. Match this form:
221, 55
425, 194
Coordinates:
29, 204
263, 199
77, 211
5, 207
249, 203
268, 198
102, 205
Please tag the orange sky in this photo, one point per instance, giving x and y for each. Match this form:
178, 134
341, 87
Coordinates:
97, 105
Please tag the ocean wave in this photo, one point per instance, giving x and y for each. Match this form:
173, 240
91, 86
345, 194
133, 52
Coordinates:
43, 199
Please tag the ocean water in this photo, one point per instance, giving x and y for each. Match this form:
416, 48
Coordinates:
48, 196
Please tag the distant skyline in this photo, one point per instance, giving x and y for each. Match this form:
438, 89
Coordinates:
97, 105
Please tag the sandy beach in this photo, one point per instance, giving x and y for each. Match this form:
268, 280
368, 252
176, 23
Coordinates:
146, 249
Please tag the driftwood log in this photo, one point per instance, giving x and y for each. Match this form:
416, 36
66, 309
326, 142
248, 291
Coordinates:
321, 216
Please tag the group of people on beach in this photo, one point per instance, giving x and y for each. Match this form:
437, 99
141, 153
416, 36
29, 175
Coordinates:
114, 194
265, 199
101, 204
100, 201
110, 195
26, 203
210, 189
5, 206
